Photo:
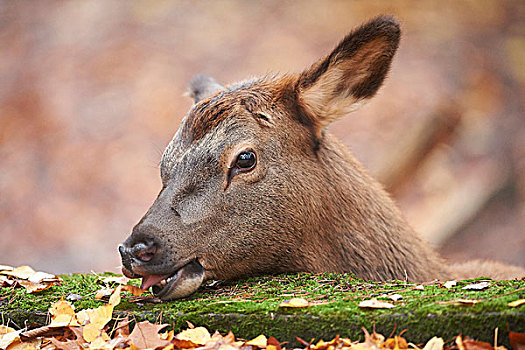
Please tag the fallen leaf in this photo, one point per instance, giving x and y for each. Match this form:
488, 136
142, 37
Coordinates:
136, 291
114, 299
8, 336
5, 268
295, 302
259, 341
115, 279
22, 272
197, 336
461, 302
449, 284
477, 286
376, 304
32, 287
419, 287
104, 292
476, 345
395, 297
33, 344
145, 335
517, 340
63, 314
98, 317
516, 303
39, 277
396, 343
434, 344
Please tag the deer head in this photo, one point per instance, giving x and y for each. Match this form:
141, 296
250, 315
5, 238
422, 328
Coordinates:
254, 184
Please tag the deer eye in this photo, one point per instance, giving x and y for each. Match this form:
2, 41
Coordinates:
246, 160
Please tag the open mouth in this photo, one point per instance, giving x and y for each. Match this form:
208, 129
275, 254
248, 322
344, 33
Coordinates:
180, 284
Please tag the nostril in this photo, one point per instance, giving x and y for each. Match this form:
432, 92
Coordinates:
121, 250
143, 251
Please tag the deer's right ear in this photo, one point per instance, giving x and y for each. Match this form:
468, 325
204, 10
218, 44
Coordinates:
353, 72
203, 86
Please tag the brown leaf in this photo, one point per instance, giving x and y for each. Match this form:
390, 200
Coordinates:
517, 340
476, 345
145, 335
32, 287
396, 343
66, 345
273, 344
136, 291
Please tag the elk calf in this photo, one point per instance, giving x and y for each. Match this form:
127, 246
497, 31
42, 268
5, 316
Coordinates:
254, 184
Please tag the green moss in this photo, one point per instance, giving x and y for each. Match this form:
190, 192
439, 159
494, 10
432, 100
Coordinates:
251, 307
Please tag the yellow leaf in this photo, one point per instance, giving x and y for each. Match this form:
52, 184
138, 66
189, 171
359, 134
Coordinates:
376, 304
114, 299
198, 336
90, 332
39, 277
26, 345
100, 316
99, 343
516, 303
259, 341
295, 302
62, 314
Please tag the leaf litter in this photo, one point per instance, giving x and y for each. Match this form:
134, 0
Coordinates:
92, 328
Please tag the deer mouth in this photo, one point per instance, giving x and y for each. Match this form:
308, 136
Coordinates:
179, 284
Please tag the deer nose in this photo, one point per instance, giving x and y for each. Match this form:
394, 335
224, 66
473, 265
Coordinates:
142, 251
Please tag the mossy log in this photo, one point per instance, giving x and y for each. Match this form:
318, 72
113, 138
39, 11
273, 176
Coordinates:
251, 307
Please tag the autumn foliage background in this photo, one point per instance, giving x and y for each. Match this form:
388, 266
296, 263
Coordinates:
91, 92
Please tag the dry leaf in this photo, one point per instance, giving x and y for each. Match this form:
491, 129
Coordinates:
32, 287
63, 314
516, 303
396, 343
295, 302
461, 302
419, 287
145, 335
477, 286
136, 291
395, 297
259, 341
434, 344
104, 292
39, 277
22, 272
517, 340
33, 344
376, 304
115, 279
197, 336
449, 284
5, 268
8, 336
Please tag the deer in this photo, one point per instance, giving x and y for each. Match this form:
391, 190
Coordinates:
254, 184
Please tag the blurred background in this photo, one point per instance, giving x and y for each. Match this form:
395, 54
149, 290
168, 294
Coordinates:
92, 91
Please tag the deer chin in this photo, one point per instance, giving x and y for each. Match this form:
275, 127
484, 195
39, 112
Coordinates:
180, 284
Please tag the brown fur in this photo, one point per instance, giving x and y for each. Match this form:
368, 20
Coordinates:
307, 205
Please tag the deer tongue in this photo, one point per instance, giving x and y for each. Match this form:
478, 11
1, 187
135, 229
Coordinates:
151, 280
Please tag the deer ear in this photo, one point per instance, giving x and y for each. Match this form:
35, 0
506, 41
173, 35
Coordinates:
203, 86
352, 73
